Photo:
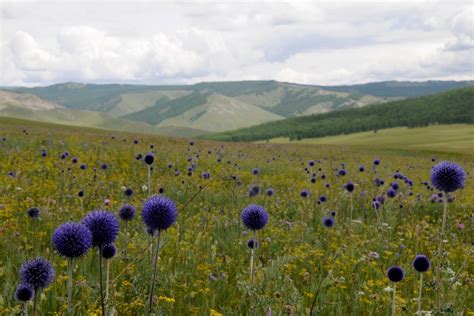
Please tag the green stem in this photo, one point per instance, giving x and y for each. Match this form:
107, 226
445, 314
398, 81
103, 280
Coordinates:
252, 257
155, 266
69, 285
107, 273
393, 298
35, 298
100, 283
440, 254
419, 294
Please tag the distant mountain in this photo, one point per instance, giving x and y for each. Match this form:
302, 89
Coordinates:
31, 107
453, 106
220, 106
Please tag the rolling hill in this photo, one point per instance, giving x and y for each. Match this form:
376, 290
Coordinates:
222, 106
454, 106
31, 107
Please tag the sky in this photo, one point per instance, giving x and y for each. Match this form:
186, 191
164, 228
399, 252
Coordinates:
183, 42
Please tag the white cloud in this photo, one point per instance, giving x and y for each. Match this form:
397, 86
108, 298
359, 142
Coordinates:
45, 42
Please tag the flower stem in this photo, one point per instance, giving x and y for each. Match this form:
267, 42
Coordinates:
252, 257
419, 294
155, 266
35, 298
102, 302
107, 273
69, 285
393, 298
440, 253
149, 180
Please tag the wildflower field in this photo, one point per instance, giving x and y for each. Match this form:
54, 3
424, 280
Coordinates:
330, 223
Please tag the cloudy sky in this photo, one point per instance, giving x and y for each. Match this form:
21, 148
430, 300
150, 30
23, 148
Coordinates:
318, 42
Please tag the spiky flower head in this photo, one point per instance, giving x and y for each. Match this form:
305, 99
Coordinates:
328, 222
159, 213
109, 251
33, 212
127, 212
421, 263
149, 158
254, 217
103, 225
395, 274
37, 273
72, 240
24, 293
448, 176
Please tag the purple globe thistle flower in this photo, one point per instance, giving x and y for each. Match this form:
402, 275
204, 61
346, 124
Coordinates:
270, 192
135, 141
255, 171
395, 186
206, 175
311, 163
24, 293
104, 166
80, 194
149, 158
322, 199
159, 213
103, 225
328, 222
333, 213
304, 193
421, 263
395, 274
252, 244
127, 212
75, 160
109, 251
377, 162
376, 204
72, 240
44, 153
350, 187
255, 190
342, 172
128, 192
37, 273
379, 182
83, 166
361, 168
254, 217
391, 193
448, 176
33, 212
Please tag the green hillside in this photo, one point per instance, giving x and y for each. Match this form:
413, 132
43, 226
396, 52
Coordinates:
224, 106
455, 106
455, 138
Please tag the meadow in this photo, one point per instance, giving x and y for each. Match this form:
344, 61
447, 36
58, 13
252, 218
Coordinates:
302, 264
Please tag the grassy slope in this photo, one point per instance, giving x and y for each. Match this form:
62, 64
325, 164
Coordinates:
443, 138
454, 106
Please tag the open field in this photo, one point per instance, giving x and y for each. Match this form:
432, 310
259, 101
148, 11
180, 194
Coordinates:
456, 138
204, 261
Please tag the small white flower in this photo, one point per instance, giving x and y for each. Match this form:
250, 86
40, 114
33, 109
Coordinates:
388, 289
144, 188
123, 188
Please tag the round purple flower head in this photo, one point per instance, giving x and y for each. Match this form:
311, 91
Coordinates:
304, 193
149, 158
255, 171
72, 240
328, 222
33, 212
421, 263
342, 172
159, 213
322, 199
254, 217
24, 293
127, 212
395, 274
128, 192
103, 225
109, 251
448, 176
377, 162
361, 168
104, 166
252, 244
254, 190
350, 187
37, 273
311, 163
270, 192
391, 193
206, 175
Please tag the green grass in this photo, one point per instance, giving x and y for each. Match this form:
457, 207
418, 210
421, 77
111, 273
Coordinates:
442, 138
